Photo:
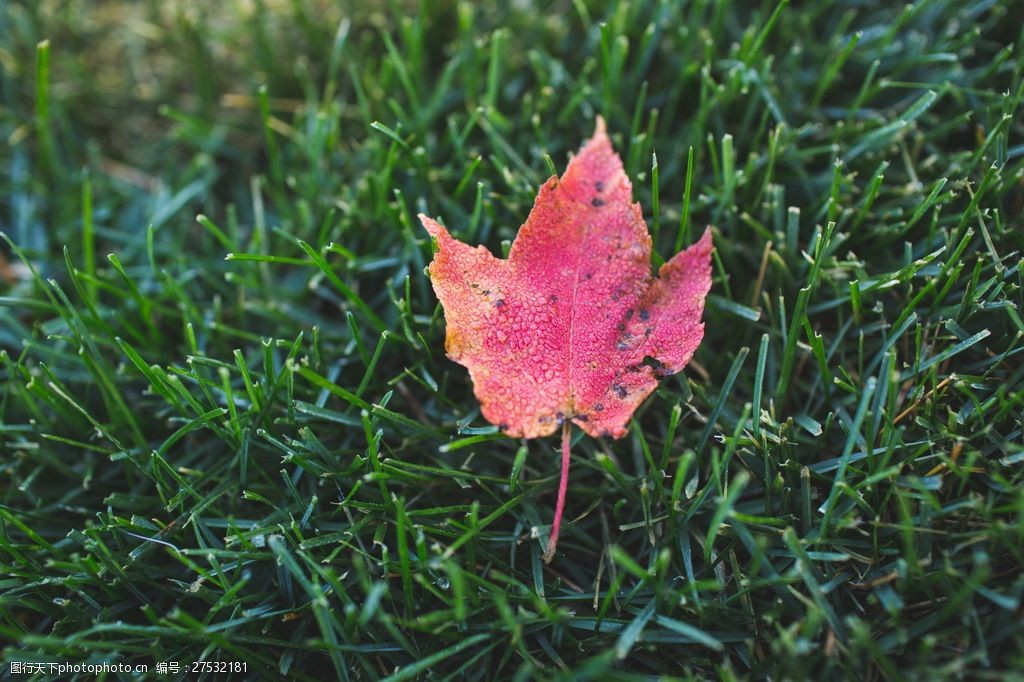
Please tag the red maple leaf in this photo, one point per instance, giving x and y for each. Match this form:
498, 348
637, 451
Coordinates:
571, 328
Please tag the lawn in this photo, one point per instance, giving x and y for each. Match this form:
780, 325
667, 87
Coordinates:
232, 445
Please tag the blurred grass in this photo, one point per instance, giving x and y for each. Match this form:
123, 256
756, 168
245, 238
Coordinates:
236, 437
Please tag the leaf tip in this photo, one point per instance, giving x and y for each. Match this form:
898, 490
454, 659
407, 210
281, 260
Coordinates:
430, 225
706, 242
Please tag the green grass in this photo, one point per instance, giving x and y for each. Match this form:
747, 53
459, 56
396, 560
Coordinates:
235, 437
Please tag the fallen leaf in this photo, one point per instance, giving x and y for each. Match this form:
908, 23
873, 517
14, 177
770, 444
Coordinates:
572, 327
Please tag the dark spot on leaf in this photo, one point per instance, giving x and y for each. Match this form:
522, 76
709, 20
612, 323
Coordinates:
597, 202
583, 417
486, 292
500, 303
659, 368
645, 315
553, 298
588, 275
622, 346
619, 390
648, 330
599, 186
621, 327
629, 315
598, 407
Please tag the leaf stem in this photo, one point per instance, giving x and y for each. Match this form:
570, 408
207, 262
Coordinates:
563, 485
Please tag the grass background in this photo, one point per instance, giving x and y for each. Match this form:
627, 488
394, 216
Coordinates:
235, 437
